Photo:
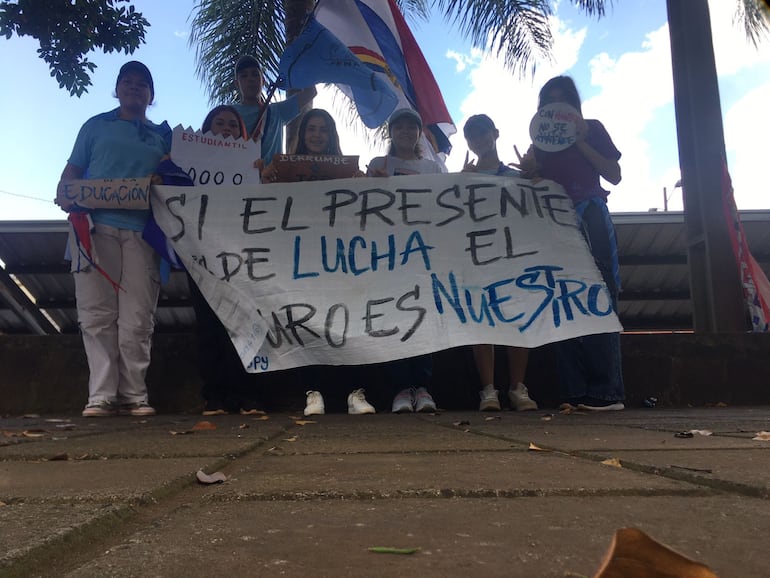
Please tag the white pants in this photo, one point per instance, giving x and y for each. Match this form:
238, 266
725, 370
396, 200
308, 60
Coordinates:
117, 326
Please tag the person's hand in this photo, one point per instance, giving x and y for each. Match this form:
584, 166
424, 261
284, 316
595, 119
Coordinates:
469, 166
269, 174
376, 172
527, 164
64, 203
581, 130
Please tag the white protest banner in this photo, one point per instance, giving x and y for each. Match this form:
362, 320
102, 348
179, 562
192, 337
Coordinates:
554, 126
365, 270
213, 160
105, 193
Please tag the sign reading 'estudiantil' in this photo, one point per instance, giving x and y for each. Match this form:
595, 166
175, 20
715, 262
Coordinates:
365, 270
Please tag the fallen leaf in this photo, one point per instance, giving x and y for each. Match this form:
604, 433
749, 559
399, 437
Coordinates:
303, 422
388, 550
633, 554
215, 478
244, 426
291, 439
762, 436
204, 426
262, 418
492, 417
180, 432
614, 462
83, 457
3, 504
33, 433
701, 432
533, 448
460, 423
62, 457
252, 412
547, 417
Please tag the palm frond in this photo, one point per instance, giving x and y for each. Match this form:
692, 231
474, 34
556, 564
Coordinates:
755, 17
224, 30
517, 30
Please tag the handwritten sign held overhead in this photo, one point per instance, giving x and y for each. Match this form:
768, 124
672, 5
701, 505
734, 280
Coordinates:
554, 126
365, 270
212, 160
295, 168
105, 193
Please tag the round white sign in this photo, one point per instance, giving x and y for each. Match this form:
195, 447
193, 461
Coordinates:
553, 127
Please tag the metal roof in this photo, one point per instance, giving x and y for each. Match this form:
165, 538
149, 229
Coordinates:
37, 293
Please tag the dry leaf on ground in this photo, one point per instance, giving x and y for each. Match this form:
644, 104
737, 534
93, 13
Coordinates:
701, 432
204, 426
262, 418
291, 439
633, 554
215, 478
614, 462
33, 433
244, 426
533, 448
303, 421
762, 436
180, 432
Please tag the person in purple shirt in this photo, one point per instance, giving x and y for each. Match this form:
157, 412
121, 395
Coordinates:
589, 367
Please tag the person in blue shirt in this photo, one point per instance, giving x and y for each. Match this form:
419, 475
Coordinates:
117, 285
481, 134
267, 128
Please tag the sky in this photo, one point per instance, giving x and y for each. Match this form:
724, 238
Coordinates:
621, 64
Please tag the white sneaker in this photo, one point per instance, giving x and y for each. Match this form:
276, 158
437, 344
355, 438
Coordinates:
520, 399
489, 399
404, 401
357, 403
423, 401
315, 403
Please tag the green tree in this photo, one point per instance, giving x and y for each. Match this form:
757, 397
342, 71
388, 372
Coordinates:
68, 30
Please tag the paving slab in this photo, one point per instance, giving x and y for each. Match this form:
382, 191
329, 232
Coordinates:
749, 468
166, 438
518, 538
383, 433
434, 474
592, 437
27, 526
93, 480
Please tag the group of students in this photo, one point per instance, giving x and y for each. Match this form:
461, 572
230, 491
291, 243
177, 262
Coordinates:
117, 279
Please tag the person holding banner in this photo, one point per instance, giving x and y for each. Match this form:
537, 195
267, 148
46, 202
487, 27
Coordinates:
265, 121
405, 158
589, 367
481, 135
226, 385
116, 272
317, 135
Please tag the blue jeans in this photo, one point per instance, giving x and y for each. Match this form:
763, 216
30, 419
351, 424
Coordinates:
590, 366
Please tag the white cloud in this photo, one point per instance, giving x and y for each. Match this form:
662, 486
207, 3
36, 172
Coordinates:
743, 123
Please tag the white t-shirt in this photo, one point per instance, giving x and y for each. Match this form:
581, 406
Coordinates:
396, 166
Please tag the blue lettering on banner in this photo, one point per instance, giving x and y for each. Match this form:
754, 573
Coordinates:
567, 298
357, 256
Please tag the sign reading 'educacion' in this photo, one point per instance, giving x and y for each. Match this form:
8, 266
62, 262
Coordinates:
364, 270
105, 193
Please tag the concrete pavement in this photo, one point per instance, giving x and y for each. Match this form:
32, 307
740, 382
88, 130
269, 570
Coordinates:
506, 494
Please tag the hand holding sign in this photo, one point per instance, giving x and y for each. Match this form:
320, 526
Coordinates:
556, 127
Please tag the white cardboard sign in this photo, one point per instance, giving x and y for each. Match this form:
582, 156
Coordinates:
553, 127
